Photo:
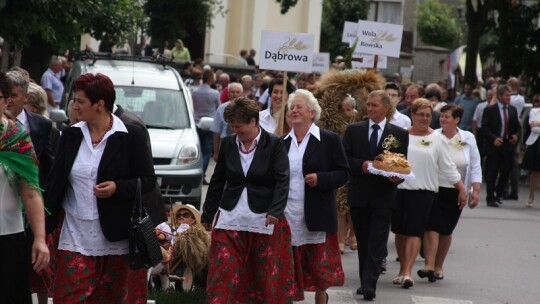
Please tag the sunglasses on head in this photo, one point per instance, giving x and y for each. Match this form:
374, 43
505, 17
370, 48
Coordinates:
183, 215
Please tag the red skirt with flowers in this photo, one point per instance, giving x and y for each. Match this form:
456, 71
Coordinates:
248, 267
97, 279
317, 266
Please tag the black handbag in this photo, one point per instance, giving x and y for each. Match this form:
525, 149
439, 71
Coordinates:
144, 250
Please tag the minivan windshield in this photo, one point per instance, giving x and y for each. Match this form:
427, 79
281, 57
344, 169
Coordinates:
158, 108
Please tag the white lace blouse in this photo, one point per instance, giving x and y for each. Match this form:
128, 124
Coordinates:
81, 231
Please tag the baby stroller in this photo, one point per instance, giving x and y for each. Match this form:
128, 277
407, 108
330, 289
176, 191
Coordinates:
185, 262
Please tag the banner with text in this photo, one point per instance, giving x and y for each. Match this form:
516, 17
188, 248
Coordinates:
349, 32
368, 61
379, 38
321, 62
285, 51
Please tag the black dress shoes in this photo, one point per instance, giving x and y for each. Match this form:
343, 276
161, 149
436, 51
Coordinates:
492, 204
369, 294
359, 291
511, 197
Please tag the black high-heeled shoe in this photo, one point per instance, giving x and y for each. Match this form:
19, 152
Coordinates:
430, 274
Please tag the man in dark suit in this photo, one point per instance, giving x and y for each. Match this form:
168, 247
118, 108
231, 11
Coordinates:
372, 197
152, 201
39, 127
501, 128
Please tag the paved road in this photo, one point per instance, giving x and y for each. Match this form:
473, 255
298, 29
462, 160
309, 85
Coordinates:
494, 258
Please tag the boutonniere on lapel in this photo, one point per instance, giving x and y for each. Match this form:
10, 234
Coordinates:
390, 142
425, 143
459, 144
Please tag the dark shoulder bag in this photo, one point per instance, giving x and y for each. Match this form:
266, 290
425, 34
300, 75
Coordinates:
144, 250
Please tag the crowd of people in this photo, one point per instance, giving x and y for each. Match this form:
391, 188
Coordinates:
277, 227
453, 146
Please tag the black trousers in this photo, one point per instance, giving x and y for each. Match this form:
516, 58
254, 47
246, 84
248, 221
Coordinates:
15, 283
372, 226
499, 163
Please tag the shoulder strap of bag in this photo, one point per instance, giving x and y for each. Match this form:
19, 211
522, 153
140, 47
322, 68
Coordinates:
138, 209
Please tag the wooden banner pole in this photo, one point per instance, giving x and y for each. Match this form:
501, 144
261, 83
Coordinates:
281, 123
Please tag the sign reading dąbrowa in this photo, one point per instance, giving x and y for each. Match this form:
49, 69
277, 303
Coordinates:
284, 51
379, 38
321, 62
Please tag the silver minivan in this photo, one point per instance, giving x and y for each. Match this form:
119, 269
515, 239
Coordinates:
155, 93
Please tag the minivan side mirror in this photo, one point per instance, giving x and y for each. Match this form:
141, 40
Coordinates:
205, 123
58, 116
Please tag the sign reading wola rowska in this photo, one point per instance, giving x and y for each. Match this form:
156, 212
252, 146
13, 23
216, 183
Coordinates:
284, 51
379, 38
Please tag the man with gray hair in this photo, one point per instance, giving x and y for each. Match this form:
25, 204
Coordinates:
220, 127
41, 133
50, 81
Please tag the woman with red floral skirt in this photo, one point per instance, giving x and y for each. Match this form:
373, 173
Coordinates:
318, 167
250, 257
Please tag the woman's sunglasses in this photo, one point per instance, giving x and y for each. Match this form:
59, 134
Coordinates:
183, 215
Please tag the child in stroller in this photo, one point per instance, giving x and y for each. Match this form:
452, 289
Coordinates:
185, 245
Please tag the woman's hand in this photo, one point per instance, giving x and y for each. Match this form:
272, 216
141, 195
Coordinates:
105, 189
271, 220
40, 254
462, 199
312, 180
473, 199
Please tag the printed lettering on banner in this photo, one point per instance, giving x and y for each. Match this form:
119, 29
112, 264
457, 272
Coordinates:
379, 38
321, 62
368, 61
285, 51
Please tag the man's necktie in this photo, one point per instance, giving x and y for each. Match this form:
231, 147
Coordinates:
373, 139
505, 116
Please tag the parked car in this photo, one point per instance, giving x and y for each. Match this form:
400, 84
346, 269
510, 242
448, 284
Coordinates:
156, 93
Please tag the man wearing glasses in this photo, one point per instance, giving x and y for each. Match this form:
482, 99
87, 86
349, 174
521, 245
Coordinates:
399, 119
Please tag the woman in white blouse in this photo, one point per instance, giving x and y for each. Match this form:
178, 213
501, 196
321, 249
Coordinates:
531, 159
428, 157
318, 167
269, 118
250, 258
446, 208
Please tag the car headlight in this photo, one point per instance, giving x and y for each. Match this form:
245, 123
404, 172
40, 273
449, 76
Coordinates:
188, 154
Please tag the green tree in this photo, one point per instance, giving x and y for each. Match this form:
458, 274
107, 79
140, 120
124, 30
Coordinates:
41, 28
334, 15
507, 32
436, 24
180, 19
476, 16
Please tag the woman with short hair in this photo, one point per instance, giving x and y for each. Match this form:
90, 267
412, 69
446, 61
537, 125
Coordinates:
94, 181
429, 159
250, 257
318, 167
446, 209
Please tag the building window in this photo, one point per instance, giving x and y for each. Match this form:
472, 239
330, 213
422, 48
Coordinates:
386, 11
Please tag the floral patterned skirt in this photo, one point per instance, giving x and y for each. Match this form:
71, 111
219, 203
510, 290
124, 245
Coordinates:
248, 267
97, 279
317, 266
